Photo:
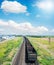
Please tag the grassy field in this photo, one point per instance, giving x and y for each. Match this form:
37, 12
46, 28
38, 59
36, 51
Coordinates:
8, 49
45, 49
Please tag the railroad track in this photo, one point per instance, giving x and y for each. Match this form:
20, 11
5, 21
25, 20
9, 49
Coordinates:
19, 58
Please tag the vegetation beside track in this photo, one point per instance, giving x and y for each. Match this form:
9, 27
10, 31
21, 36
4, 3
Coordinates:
8, 49
45, 50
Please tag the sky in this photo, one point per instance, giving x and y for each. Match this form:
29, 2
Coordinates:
27, 17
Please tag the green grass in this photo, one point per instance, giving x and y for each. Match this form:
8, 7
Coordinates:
44, 57
8, 49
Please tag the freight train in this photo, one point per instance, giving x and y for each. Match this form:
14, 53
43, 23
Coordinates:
30, 52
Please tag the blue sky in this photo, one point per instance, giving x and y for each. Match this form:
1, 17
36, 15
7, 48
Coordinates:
33, 17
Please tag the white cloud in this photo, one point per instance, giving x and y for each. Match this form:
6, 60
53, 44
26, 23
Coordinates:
3, 23
11, 27
1, 30
13, 7
42, 29
46, 5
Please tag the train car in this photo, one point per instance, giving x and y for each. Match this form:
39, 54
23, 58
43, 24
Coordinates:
30, 53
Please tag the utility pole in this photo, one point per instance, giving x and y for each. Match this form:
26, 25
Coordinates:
49, 40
